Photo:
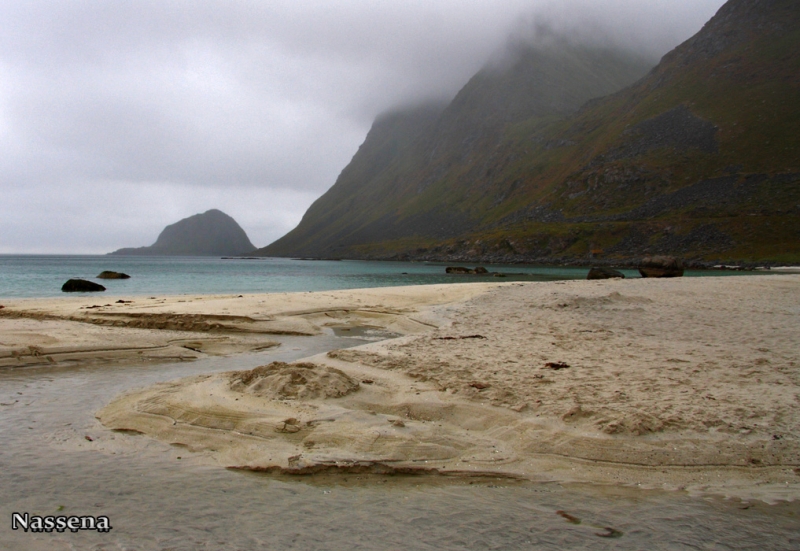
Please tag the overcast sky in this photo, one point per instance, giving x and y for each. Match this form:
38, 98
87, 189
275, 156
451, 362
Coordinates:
120, 117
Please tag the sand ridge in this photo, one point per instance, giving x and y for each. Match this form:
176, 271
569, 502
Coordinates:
663, 383
104, 330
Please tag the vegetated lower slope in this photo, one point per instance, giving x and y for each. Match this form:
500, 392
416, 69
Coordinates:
701, 158
211, 233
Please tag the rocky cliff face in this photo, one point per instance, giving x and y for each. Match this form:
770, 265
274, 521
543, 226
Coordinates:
700, 158
211, 233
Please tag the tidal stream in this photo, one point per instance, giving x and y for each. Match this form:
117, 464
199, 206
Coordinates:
56, 459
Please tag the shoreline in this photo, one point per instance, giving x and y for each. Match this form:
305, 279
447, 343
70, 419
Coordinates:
675, 384
631, 262
44, 280
74, 329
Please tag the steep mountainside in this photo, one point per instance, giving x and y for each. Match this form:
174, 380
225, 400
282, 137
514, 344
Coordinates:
416, 170
209, 234
701, 158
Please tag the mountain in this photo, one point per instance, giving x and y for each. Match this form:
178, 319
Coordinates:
699, 158
211, 233
419, 169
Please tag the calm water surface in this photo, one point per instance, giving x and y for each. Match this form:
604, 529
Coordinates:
43, 276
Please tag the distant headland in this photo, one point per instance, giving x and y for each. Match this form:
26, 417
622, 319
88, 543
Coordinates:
211, 233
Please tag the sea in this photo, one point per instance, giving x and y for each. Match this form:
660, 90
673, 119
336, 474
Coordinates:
56, 459
27, 276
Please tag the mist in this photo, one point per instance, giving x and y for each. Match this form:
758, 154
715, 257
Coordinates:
117, 119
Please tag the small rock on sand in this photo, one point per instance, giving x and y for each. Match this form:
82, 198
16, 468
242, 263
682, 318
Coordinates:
604, 273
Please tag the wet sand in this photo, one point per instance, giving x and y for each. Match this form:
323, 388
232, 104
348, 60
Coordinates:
688, 383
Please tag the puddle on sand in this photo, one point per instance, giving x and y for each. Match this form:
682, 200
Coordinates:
157, 501
363, 332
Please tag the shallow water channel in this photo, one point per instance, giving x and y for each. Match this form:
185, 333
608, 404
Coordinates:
162, 497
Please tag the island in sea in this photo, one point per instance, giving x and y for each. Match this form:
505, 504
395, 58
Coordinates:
211, 233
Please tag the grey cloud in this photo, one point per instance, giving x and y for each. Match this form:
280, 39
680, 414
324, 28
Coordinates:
54, 219
179, 107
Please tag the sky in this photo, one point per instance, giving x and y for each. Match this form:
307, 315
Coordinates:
119, 118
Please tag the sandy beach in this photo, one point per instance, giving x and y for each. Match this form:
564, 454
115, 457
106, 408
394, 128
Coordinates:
94, 328
680, 384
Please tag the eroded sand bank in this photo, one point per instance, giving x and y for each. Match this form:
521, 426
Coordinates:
95, 328
662, 383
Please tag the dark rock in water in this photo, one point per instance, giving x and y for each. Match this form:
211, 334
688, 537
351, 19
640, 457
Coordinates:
661, 266
480, 270
604, 273
81, 286
112, 275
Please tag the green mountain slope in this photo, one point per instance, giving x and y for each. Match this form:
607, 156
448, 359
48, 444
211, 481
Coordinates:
211, 233
700, 159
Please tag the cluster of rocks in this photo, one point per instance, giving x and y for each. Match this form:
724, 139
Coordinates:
628, 260
479, 270
650, 266
78, 285
678, 128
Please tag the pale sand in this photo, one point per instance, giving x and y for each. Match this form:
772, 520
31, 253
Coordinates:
685, 383
96, 328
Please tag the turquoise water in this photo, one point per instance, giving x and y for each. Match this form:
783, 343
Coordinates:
43, 275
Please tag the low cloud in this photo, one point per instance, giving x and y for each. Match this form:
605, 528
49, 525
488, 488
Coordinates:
119, 118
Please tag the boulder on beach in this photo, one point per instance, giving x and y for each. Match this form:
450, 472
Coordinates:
81, 286
604, 273
481, 270
661, 266
106, 274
